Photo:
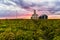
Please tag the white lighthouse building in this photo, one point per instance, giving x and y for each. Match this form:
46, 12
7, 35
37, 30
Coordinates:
34, 16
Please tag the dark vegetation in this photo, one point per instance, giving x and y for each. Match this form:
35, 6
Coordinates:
19, 29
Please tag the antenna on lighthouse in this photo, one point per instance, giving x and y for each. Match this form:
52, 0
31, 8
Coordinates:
16, 14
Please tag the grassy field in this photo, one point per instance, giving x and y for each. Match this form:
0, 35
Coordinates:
19, 29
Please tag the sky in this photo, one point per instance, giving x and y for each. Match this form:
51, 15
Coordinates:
23, 9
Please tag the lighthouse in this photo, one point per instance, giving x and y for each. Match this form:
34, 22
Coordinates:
34, 16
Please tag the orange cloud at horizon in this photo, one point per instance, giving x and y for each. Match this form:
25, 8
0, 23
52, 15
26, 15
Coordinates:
53, 16
29, 17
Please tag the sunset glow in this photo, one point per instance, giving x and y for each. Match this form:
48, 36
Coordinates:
23, 9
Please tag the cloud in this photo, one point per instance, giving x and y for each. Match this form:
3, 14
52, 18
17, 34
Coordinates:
10, 8
50, 5
25, 6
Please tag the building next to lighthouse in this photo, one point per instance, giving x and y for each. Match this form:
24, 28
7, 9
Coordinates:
44, 16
